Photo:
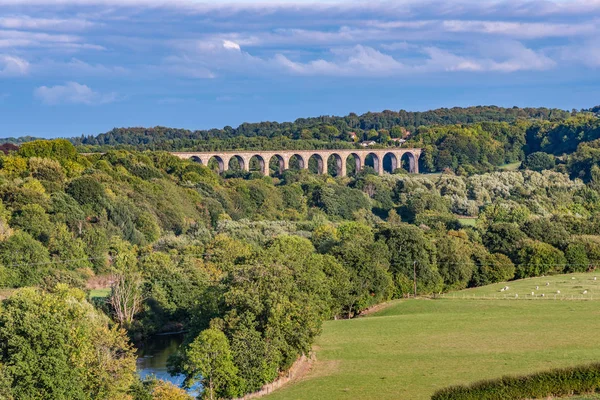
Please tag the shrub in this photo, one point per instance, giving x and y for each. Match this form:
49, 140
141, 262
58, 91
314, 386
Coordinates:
86, 190
557, 382
539, 161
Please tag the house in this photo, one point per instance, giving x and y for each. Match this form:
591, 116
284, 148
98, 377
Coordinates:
367, 143
352, 135
397, 140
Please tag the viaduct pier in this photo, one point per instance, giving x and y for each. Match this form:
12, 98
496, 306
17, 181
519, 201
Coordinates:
396, 156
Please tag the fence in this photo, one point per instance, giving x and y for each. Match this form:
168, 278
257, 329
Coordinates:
464, 296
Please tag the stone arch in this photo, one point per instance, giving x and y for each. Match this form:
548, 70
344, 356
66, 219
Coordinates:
355, 164
318, 164
389, 162
196, 159
257, 163
373, 160
277, 163
238, 163
335, 165
297, 162
410, 162
220, 163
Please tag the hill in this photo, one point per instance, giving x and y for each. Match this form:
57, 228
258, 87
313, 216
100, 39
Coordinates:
414, 347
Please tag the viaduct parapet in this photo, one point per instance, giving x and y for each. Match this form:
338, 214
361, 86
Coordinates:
341, 157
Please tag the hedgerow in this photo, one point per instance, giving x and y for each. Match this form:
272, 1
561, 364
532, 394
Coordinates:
556, 382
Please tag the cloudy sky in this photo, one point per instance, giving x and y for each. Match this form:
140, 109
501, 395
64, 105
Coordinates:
71, 67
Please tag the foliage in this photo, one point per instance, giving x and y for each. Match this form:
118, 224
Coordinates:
208, 360
539, 161
24, 260
538, 258
557, 382
266, 260
57, 346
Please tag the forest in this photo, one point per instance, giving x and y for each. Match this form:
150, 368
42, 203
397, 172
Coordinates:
250, 266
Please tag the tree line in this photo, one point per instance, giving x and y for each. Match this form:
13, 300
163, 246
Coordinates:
249, 266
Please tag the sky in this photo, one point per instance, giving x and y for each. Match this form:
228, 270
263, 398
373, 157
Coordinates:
73, 67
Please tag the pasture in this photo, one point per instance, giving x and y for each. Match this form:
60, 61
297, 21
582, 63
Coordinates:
414, 347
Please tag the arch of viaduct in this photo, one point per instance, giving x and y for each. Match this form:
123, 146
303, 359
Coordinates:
303, 156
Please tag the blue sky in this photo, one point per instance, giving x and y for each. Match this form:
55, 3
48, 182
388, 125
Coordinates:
72, 67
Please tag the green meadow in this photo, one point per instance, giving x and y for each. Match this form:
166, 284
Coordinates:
414, 347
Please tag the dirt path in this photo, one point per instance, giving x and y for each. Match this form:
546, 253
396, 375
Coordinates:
375, 308
299, 369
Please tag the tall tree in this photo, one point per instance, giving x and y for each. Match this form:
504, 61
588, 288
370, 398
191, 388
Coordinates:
209, 361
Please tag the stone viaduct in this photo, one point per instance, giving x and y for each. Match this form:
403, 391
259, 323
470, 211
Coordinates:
395, 155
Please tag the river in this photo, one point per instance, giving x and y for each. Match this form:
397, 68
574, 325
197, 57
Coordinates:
153, 356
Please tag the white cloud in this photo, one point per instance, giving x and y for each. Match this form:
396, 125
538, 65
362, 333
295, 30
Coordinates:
397, 46
492, 56
357, 60
587, 53
13, 66
366, 61
25, 22
230, 45
77, 67
524, 30
24, 39
72, 93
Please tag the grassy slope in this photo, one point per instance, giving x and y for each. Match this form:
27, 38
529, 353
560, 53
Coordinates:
414, 347
569, 288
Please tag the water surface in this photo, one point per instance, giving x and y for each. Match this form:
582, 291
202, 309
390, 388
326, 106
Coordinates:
153, 355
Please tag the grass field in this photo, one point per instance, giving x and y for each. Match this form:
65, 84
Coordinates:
510, 167
101, 293
467, 221
414, 347
571, 286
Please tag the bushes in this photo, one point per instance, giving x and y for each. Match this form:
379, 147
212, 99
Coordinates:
557, 382
86, 190
539, 161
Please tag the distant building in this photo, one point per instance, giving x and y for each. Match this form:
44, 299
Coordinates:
398, 140
352, 135
367, 143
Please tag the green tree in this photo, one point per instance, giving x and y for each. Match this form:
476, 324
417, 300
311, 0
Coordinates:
56, 346
25, 259
577, 259
255, 357
491, 268
411, 250
367, 262
538, 258
86, 190
32, 218
503, 238
208, 360
454, 261
539, 161
68, 249
46, 169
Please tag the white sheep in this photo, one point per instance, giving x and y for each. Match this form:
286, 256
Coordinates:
595, 278
506, 288
502, 290
547, 283
537, 288
543, 295
558, 292
572, 277
585, 292
516, 295
533, 293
